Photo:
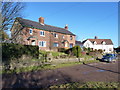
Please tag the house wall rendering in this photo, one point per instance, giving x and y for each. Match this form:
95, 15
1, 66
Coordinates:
104, 44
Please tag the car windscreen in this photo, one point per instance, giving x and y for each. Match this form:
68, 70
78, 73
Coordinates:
108, 55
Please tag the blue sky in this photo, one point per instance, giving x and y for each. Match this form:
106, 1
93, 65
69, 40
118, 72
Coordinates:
85, 19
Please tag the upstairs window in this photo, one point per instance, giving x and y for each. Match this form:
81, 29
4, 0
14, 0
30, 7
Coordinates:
42, 43
55, 44
95, 42
55, 35
42, 33
103, 42
71, 37
30, 31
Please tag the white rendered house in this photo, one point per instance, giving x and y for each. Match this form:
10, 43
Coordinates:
104, 44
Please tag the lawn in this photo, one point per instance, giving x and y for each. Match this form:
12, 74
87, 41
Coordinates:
47, 66
95, 85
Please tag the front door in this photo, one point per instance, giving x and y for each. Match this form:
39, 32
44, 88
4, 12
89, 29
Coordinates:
33, 42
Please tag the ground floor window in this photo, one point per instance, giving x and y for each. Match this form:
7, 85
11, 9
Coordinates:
110, 49
42, 43
71, 45
30, 31
55, 44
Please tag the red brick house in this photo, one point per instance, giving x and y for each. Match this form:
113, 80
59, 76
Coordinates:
47, 37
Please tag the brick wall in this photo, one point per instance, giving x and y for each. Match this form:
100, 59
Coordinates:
23, 37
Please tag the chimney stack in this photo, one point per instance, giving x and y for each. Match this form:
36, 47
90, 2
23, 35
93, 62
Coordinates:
66, 26
96, 37
41, 20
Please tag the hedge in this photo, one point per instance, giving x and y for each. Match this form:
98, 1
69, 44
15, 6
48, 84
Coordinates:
12, 51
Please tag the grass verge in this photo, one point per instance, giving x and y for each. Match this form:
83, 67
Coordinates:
47, 66
97, 85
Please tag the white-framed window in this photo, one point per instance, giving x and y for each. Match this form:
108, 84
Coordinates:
55, 44
71, 37
30, 31
110, 49
55, 35
63, 37
103, 42
95, 42
42, 43
71, 45
42, 33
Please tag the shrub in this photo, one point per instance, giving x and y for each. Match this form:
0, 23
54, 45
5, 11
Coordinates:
75, 51
61, 49
95, 53
100, 51
12, 51
84, 49
89, 49
78, 51
83, 53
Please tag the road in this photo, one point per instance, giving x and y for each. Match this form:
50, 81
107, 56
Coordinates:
106, 72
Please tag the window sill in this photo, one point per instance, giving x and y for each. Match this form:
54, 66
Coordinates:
42, 35
42, 46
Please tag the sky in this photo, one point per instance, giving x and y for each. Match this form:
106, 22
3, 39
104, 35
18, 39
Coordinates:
84, 19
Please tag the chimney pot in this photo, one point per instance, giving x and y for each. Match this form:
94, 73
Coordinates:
96, 37
41, 20
66, 26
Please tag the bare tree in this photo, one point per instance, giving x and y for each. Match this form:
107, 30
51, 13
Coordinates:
9, 11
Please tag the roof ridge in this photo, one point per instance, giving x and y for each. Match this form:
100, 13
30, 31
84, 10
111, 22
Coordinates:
55, 26
44, 24
105, 39
47, 27
28, 20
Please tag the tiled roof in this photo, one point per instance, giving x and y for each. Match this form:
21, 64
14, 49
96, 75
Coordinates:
100, 41
78, 42
37, 25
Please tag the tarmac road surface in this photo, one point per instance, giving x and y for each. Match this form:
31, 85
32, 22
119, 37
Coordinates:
106, 72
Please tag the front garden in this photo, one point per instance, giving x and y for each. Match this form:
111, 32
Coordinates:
19, 58
23, 58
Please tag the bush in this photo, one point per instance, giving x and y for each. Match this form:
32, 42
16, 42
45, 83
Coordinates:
12, 51
68, 51
95, 53
78, 51
75, 51
61, 49
83, 53
85, 49
100, 51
